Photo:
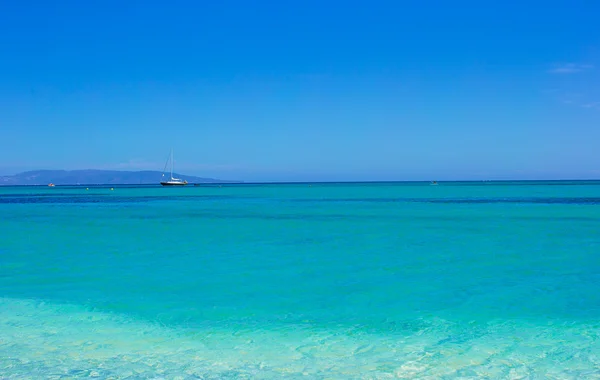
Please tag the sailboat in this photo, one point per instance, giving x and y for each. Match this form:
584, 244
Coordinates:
171, 181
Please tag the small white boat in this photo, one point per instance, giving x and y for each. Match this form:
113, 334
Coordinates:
172, 181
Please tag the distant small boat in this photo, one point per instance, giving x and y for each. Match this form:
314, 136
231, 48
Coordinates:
172, 181
51, 184
434, 182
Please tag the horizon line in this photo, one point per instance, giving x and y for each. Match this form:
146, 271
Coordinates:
231, 183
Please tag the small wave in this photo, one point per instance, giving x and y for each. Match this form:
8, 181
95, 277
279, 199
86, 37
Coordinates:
40, 339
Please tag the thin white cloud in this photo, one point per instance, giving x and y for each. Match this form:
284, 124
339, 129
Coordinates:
595, 105
570, 68
141, 164
577, 100
211, 167
137, 164
570, 98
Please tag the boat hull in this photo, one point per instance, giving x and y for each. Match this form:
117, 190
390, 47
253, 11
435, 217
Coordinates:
173, 183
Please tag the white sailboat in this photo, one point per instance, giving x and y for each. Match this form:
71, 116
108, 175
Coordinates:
171, 181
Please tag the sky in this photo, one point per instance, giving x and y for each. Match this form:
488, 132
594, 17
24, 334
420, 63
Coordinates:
303, 90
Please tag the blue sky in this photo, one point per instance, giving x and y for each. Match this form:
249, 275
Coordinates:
304, 90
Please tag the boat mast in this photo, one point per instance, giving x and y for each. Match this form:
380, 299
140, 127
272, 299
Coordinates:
171, 163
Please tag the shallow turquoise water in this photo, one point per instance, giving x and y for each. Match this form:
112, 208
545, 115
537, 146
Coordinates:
386, 280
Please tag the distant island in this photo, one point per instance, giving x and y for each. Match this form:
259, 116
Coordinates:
96, 177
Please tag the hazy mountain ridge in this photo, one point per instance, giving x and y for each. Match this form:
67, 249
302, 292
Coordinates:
96, 177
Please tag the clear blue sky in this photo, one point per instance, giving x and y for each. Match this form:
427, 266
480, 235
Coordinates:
303, 90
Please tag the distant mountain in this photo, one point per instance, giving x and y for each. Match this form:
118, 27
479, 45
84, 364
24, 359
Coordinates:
95, 177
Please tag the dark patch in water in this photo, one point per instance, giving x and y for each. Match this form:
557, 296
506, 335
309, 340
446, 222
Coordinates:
110, 198
583, 200
21, 199
25, 195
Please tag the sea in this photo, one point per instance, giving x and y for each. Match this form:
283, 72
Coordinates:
469, 280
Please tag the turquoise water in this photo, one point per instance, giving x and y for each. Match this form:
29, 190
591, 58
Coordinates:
321, 281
